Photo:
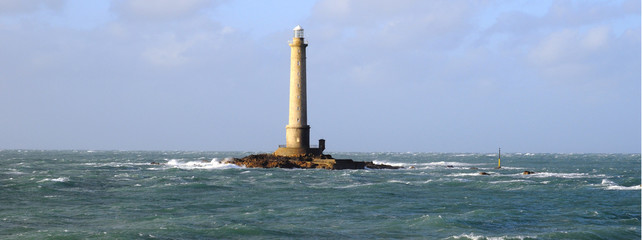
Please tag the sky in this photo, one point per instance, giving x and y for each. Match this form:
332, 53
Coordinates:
383, 76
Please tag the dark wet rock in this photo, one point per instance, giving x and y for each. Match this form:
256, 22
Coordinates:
269, 161
305, 161
372, 165
450, 166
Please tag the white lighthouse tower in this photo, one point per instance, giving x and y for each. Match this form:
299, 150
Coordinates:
297, 132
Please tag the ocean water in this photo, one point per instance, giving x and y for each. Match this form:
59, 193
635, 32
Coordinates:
193, 195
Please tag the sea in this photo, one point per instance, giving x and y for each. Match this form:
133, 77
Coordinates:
195, 195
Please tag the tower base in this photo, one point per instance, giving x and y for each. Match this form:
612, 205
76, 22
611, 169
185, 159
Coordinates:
297, 152
285, 151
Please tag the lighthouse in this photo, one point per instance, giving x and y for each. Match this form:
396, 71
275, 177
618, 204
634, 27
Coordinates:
297, 151
297, 132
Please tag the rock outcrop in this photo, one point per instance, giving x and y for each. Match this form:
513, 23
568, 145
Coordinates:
309, 161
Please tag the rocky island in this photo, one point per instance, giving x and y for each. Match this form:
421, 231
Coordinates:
304, 161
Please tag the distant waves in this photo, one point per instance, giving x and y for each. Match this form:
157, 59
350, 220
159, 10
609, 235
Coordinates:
196, 195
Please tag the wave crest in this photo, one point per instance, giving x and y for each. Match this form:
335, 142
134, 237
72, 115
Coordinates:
60, 179
610, 185
215, 163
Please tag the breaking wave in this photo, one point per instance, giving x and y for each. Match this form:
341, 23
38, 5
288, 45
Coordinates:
480, 237
60, 179
389, 163
440, 164
565, 175
610, 185
465, 174
215, 163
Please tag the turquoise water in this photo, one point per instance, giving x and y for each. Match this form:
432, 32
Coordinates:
192, 195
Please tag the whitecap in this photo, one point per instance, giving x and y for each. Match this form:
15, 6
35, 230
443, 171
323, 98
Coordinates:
464, 155
355, 185
465, 174
454, 164
122, 175
388, 163
610, 185
443, 164
397, 181
511, 168
215, 163
14, 171
564, 175
480, 237
60, 179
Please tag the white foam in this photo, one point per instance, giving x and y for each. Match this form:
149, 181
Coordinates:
638, 187
443, 164
465, 174
388, 163
398, 181
610, 185
480, 237
60, 179
122, 175
355, 185
564, 175
215, 163
464, 155
114, 164
511, 168
14, 171
454, 164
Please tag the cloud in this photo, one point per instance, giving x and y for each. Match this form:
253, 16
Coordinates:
13, 7
428, 61
579, 13
168, 51
160, 10
377, 18
385, 42
124, 83
586, 46
423, 74
576, 56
